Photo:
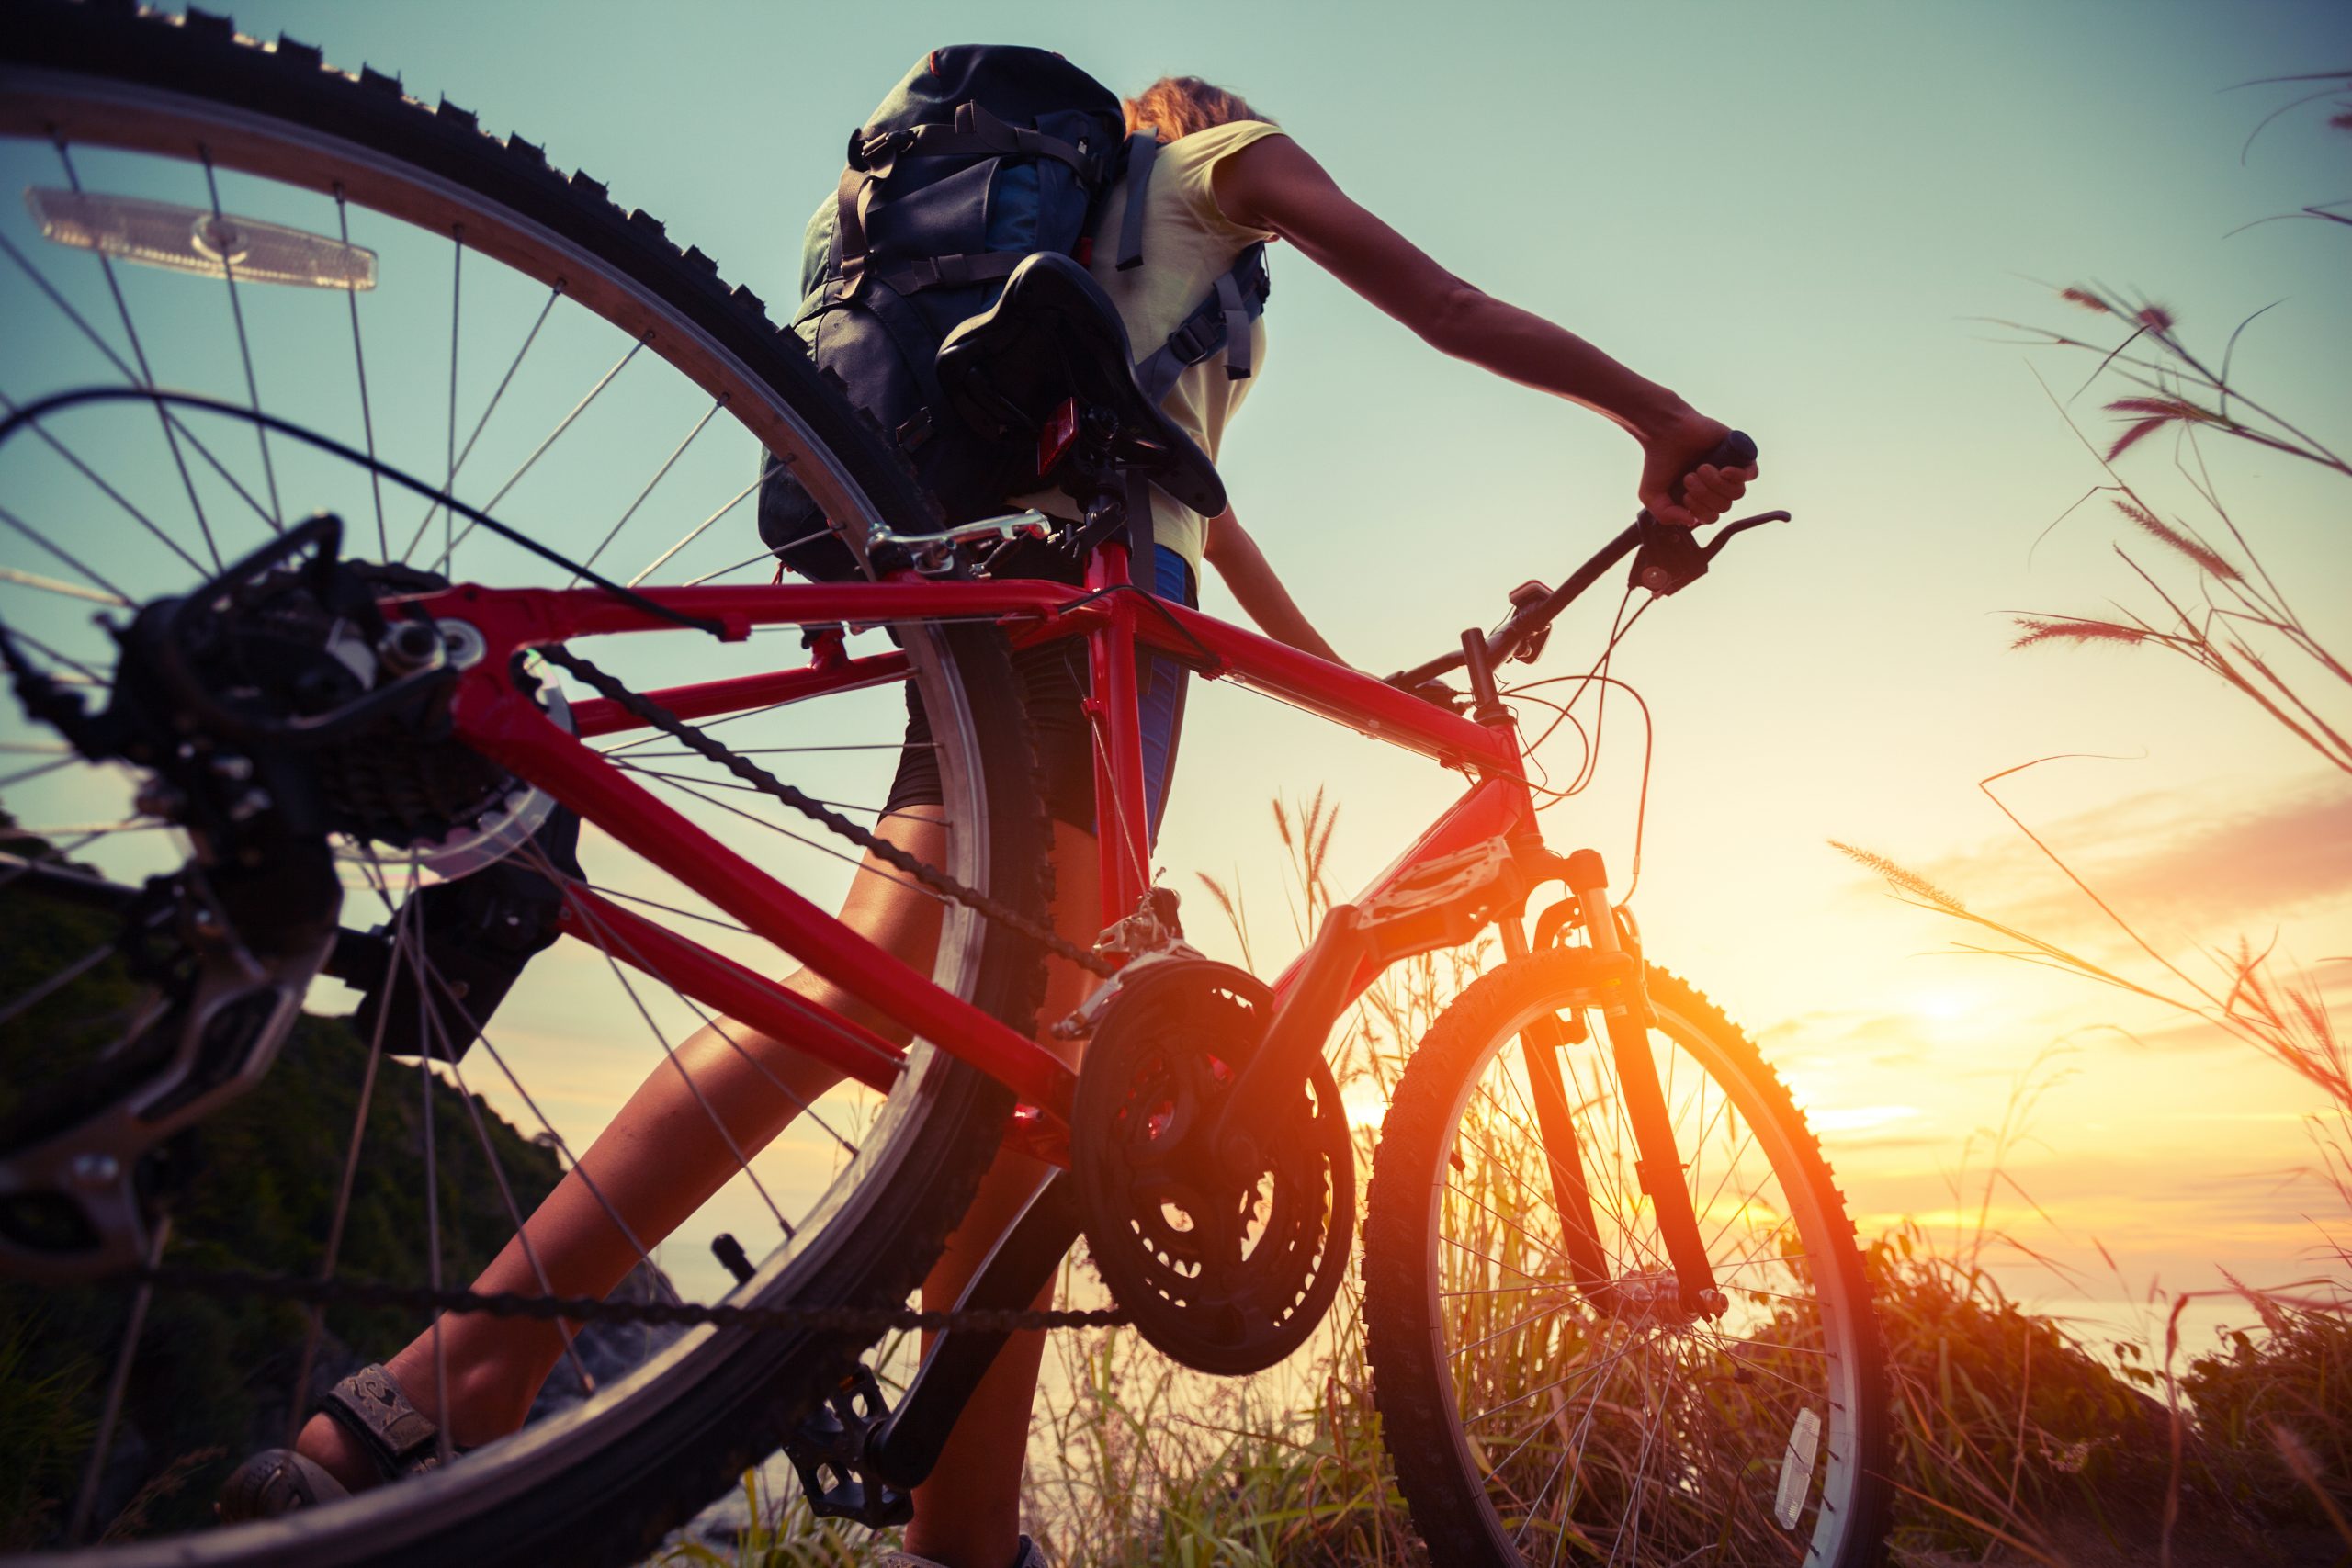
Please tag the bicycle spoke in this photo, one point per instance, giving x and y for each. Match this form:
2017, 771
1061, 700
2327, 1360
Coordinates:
738, 785
603, 892
298, 1405
514, 1210
697, 531
244, 347
13, 866
66, 590
781, 751
94, 676
138, 353
1532, 1284
85, 1500
449, 482
38, 537
25, 776
1619, 1210
88, 829
359, 361
1497, 1333
1534, 1509
1642, 1467
751, 1058
449, 550
10, 406
817, 844
458, 462
659, 474
612, 1215
45, 989
654, 737
1538, 1243
1520, 1398
413, 940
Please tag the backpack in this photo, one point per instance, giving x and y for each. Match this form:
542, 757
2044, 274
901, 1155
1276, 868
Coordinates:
982, 156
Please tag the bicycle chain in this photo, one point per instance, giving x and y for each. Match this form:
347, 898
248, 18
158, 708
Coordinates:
426, 1298
768, 784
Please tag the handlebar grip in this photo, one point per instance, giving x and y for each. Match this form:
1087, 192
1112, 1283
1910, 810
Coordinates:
1736, 450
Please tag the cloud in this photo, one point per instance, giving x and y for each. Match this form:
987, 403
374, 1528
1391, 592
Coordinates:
1847, 1036
2211, 866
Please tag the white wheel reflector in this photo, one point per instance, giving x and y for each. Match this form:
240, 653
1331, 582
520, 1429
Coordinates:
195, 239
1796, 1469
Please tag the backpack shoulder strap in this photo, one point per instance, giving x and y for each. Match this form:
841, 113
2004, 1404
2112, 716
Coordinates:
1142, 148
1219, 322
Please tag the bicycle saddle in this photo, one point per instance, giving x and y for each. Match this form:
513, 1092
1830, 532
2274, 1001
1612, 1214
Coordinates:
1051, 336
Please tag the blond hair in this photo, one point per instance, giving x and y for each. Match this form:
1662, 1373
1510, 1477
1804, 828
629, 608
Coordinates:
1179, 105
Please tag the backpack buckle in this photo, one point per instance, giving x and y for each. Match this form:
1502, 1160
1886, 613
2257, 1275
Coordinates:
1196, 339
876, 154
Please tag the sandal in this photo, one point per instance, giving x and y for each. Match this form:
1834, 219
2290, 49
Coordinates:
369, 1406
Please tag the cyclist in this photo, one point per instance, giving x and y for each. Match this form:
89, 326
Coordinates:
1225, 179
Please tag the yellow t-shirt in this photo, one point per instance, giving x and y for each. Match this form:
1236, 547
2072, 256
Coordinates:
1188, 244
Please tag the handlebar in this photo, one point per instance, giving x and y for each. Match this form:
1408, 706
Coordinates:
1671, 559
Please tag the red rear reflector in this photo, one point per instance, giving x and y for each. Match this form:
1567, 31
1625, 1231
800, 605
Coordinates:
1085, 252
1056, 434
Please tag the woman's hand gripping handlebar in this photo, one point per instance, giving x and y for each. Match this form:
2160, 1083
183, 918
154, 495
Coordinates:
1669, 558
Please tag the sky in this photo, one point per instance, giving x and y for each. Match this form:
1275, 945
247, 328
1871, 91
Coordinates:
1807, 219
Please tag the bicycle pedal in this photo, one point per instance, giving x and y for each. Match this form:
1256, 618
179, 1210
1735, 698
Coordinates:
828, 1450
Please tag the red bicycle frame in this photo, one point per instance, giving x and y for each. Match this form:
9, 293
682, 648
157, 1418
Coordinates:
1115, 617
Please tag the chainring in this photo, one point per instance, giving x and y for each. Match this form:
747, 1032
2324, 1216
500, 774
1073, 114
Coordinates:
1225, 1268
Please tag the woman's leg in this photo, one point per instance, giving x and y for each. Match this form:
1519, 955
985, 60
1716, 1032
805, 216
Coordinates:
658, 1162
968, 1514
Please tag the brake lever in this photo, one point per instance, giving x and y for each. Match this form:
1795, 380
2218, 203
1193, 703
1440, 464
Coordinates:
1670, 559
1716, 546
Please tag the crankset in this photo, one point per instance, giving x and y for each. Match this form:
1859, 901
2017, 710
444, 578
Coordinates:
1226, 1254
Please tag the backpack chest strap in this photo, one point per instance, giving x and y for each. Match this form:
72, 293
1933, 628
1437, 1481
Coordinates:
1219, 322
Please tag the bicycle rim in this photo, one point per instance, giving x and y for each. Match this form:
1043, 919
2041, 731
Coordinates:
1531, 1425
532, 350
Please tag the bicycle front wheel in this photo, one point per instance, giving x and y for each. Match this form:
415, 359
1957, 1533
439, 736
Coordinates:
1533, 1421
210, 213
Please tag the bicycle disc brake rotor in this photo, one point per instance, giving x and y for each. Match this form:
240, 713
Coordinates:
1224, 1266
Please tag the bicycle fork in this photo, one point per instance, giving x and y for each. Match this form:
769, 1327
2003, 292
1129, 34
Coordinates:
1658, 1165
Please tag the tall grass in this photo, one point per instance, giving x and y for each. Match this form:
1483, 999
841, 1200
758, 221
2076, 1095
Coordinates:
2015, 1438
2260, 1431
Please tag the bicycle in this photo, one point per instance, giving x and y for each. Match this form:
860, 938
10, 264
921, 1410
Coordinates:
307, 722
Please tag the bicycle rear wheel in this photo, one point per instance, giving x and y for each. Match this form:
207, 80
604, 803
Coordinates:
1530, 1424
324, 249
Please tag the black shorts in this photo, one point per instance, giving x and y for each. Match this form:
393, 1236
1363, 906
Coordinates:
1054, 681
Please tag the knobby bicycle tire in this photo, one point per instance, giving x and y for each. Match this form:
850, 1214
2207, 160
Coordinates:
1462, 1493
599, 1484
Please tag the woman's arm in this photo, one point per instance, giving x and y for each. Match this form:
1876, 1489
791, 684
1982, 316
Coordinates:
1274, 184
1246, 571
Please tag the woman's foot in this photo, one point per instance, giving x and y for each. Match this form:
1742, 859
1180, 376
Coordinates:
274, 1481
366, 1432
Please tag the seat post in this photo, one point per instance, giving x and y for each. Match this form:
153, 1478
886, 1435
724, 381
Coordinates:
1123, 831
